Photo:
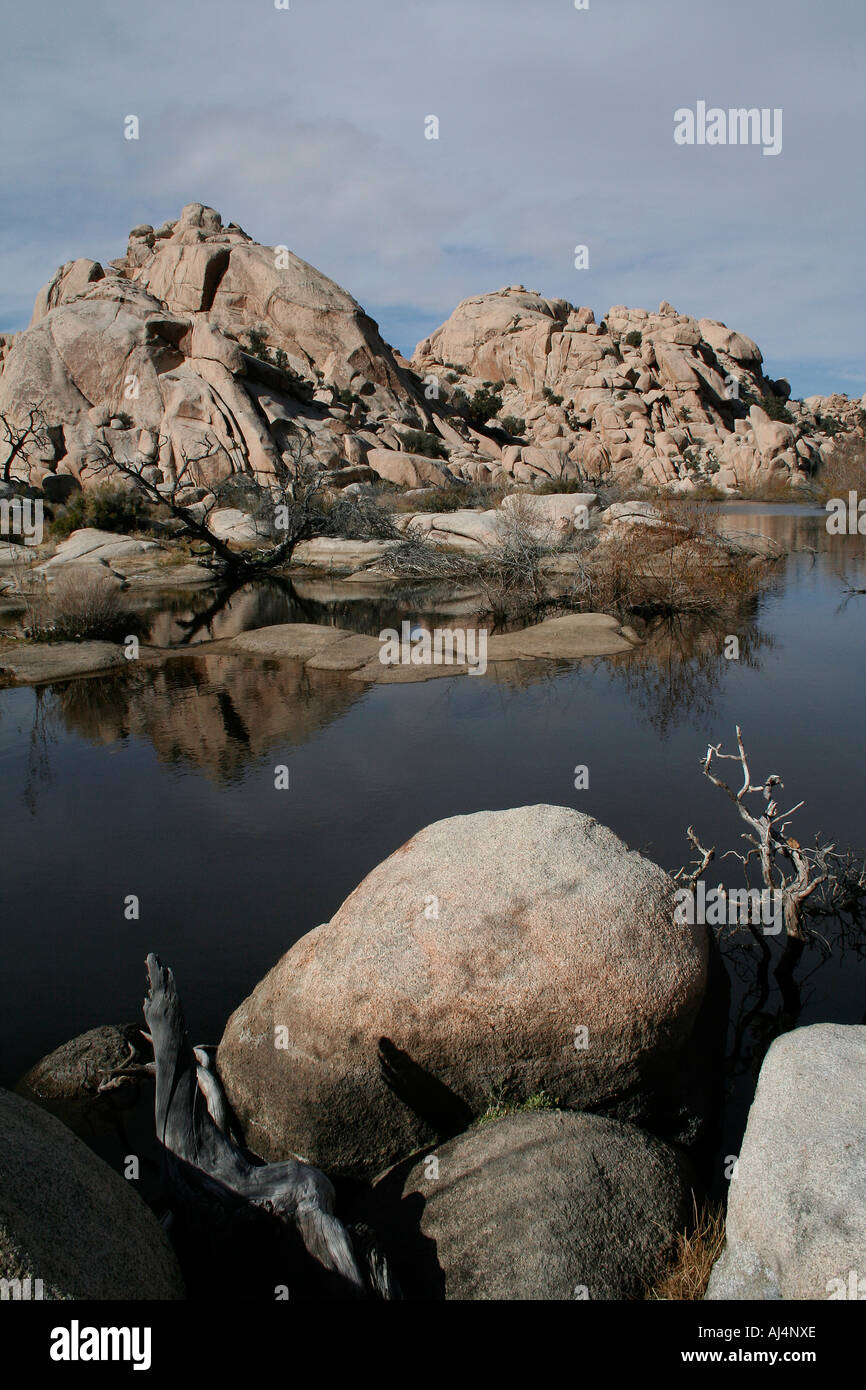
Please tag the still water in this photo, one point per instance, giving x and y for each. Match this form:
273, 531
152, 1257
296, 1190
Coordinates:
160, 783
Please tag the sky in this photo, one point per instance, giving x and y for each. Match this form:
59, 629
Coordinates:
307, 125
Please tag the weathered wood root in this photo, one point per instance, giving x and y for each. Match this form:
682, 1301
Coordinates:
205, 1166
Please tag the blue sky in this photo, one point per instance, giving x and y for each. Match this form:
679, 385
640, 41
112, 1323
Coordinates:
306, 126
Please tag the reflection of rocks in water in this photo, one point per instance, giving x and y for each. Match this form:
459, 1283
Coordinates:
189, 618
678, 670
218, 714
805, 531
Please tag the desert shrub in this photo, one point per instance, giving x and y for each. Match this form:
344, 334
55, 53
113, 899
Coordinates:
562, 485
830, 424
423, 442
480, 407
842, 472
258, 344
774, 406
634, 338
107, 509
552, 397
777, 409
83, 604
356, 517
514, 424
454, 497
500, 1106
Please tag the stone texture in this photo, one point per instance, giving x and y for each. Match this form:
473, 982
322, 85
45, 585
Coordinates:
796, 1219
402, 1024
66, 1218
544, 1205
57, 661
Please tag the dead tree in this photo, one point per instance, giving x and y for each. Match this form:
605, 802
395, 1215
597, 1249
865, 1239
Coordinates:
208, 1171
291, 497
785, 866
18, 437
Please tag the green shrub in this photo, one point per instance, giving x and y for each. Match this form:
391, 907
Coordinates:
258, 344
552, 397
777, 409
482, 406
830, 424
423, 442
514, 424
634, 338
107, 509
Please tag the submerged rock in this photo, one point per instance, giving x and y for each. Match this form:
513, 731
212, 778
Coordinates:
502, 952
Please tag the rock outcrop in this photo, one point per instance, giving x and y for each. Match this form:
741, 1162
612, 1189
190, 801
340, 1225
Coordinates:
661, 397
200, 344
544, 1205
520, 951
796, 1226
68, 1224
198, 337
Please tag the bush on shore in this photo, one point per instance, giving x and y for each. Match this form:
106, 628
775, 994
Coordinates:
83, 605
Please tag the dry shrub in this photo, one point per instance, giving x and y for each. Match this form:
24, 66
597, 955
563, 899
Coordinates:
681, 565
697, 1252
83, 604
843, 472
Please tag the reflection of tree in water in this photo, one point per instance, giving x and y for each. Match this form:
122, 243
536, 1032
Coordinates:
42, 735
184, 619
681, 665
775, 983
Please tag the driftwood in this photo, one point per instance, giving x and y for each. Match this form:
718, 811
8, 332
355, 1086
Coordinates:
206, 1169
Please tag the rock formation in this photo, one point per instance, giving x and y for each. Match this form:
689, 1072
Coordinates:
544, 1205
660, 397
200, 341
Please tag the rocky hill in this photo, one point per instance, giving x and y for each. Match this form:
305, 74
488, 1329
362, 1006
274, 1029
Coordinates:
200, 341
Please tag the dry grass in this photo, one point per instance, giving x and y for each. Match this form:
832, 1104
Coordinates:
82, 605
843, 472
681, 566
697, 1252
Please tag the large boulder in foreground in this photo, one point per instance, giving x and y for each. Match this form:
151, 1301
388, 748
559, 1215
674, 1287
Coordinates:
68, 1220
550, 1205
796, 1226
501, 953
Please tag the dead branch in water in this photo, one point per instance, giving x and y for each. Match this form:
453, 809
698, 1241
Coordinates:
785, 866
207, 1169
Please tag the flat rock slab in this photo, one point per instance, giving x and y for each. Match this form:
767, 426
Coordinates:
288, 641
93, 546
166, 576
574, 636
354, 650
58, 661
321, 648
339, 556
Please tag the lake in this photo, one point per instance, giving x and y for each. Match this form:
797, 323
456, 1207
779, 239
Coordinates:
160, 783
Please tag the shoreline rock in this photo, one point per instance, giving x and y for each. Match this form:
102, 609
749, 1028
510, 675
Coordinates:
527, 949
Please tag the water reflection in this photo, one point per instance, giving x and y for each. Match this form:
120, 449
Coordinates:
161, 779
